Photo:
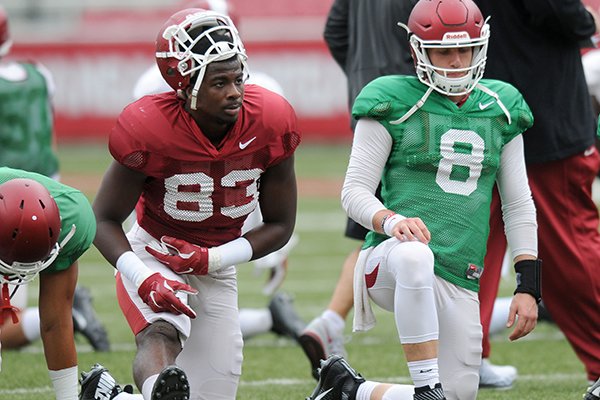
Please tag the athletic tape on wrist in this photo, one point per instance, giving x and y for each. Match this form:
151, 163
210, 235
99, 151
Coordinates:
133, 268
385, 218
529, 278
236, 252
390, 223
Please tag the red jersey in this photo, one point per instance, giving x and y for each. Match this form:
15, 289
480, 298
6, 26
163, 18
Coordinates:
195, 191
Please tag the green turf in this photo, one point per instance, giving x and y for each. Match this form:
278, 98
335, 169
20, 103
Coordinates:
275, 368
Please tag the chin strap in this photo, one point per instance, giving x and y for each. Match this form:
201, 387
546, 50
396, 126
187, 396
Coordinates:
423, 99
414, 108
7, 309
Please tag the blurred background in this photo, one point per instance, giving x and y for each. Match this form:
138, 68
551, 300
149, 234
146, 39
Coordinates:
97, 49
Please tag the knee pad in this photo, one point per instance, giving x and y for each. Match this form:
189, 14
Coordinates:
464, 386
411, 263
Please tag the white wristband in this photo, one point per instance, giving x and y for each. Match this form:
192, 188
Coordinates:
231, 253
65, 383
133, 268
391, 222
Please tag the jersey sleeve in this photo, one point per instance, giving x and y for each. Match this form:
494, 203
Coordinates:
279, 119
139, 130
520, 113
75, 210
387, 98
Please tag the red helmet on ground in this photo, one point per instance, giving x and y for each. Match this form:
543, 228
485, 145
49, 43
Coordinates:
448, 24
189, 41
29, 230
5, 40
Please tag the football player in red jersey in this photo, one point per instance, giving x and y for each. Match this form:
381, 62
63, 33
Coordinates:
279, 315
193, 162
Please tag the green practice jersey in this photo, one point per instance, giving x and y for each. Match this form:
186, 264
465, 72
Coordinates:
27, 123
75, 209
443, 164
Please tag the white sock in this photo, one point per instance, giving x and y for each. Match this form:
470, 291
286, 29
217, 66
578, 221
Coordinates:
128, 396
334, 320
30, 323
148, 385
399, 392
64, 382
365, 389
424, 372
254, 321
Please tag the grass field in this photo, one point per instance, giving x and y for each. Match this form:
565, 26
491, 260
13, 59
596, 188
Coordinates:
275, 368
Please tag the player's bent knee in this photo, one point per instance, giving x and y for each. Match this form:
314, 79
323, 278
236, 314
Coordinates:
158, 331
412, 264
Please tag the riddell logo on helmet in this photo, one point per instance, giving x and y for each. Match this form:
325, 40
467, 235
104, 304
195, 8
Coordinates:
456, 36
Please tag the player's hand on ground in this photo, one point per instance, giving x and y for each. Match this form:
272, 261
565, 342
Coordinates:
410, 229
160, 294
181, 256
525, 308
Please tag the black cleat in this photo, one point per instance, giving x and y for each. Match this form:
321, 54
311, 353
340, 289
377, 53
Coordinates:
429, 393
593, 392
86, 322
337, 381
98, 384
171, 384
286, 322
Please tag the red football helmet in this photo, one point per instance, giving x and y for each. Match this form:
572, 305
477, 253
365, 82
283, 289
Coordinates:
5, 40
29, 230
219, 6
448, 24
189, 41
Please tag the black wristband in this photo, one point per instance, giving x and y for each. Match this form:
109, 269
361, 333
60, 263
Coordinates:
529, 278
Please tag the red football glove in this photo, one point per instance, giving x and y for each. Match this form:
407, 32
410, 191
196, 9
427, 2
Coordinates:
183, 257
159, 293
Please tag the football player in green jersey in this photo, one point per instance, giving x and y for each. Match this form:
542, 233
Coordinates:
27, 142
46, 226
438, 142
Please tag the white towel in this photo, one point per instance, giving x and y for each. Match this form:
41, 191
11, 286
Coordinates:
364, 318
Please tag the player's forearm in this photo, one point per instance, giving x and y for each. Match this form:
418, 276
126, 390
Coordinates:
518, 209
370, 150
111, 241
268, 237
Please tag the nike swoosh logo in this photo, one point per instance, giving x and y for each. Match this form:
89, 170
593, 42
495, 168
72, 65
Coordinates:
486, 105
322, 395
371, 278
589, 151
245, 144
